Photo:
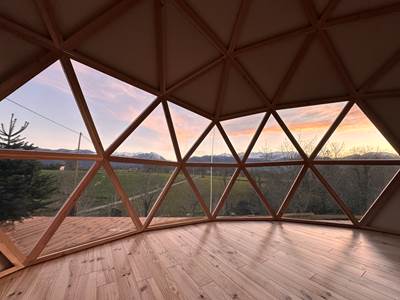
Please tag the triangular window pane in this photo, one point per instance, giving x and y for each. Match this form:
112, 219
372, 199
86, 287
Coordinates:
358, 186
274, 182
211, 183
243, 201
312, 201
213, 149
32, 192
188, 126
240, 131
357, 138
151, 140
98, 213
54, 121
142, 183
179, 205
309, 124
113, 104
273, 144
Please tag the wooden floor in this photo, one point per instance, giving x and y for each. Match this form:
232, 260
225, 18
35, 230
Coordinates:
226, 260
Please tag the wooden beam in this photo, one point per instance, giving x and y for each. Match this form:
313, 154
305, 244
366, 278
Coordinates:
197, 193
356, 162
125, 134
243, 9
381, 71
112, 72
47, 14
193, 75
260, 194
26, 34
208, 165
160, 20
122, 194
274, 163
387, 133
358, 16
134, 160
291, 192
382, 199
290, 136
62, 213
200, 25
331, 129
335, 196
219, 104
161, 197
45, 155
171, 131
254, 139
10, 250
27, 73
276, 38
198, 141
264, 100
109, 15
81, 102
225, 193
293, 67
228, 142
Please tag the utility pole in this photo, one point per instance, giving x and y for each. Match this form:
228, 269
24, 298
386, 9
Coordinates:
73, 209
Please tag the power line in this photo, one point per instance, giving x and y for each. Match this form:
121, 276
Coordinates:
46, 118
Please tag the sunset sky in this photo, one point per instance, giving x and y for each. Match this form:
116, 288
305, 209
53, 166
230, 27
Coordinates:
114, 105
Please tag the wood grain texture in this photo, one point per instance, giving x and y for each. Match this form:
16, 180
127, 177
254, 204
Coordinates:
229, 260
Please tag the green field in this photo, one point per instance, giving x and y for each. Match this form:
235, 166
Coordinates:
143, 186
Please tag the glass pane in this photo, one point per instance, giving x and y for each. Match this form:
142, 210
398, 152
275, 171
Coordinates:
242, 200
188, 126
31, 193
151, 140
113, 104
179, 205
241, 130
358, 186
211, 182
309, 124
142, 183
98, 213
273, 144
274, 182
213, 149
46, 112
357, 138
312, 201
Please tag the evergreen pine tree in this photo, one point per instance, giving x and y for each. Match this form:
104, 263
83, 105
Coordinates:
23, 187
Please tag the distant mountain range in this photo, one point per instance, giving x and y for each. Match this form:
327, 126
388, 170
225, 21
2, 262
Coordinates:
220, 158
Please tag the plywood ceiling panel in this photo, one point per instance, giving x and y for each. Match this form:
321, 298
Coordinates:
269, 64
220, 15
203, 90
23, 12
187, 48
266, 18
365, 45
239, 95
128, 44
71, 15
316, 77
18, 53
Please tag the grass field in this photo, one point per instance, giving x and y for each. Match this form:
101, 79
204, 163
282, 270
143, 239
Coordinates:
144, 184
